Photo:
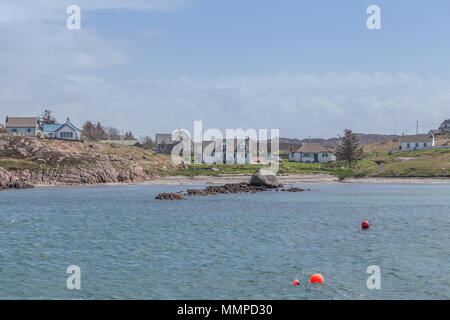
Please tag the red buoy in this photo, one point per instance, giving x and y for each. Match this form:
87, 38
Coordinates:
317, 278
296, 282
365, 224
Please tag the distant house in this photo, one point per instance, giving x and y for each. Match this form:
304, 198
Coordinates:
66, 131
417, 142
312, 152
22, 125
230, 151
445, 127
164, 143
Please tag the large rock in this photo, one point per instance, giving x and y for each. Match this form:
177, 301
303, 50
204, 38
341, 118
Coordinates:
264, 178
170, 196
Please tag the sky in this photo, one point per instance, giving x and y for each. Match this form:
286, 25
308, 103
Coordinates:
308, 68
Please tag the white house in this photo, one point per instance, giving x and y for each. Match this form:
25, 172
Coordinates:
312, 152
445, 127
66, 131
417, 142
229, 151
22, 125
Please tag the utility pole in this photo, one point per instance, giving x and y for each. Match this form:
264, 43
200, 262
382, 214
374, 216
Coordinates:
417, 127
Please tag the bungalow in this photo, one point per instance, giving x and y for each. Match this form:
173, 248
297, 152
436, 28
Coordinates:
66, 131
417, 142
445, 127
312, 152
233, 151
22, 125
164, 143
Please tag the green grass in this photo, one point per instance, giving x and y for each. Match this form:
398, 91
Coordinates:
285, 168
20, 164
420, 163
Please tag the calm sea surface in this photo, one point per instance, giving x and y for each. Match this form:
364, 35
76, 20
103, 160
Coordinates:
249, 246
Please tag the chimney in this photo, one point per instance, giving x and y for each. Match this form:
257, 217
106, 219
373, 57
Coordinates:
68, 119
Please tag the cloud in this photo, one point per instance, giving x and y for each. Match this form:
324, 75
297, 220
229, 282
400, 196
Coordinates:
78, 74
24, 10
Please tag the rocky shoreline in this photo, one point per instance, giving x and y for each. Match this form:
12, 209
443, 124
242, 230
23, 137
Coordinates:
261, 181
32, 163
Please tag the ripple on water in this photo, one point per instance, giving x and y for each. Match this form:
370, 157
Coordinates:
248, 246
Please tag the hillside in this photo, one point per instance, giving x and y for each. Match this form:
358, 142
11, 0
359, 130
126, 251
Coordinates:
378, 162
289, 143
30, 161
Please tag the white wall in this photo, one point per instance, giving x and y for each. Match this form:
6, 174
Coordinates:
323, 157
295, 157
68, 129
417, 145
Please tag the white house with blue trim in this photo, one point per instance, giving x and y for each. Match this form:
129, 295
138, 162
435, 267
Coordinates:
66, 131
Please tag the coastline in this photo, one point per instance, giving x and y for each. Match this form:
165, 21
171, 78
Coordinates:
287, 179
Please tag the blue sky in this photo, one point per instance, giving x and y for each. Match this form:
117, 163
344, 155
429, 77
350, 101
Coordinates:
308, 68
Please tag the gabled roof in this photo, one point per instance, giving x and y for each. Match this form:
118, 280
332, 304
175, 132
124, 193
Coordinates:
313, 148
54, 127
51, 127
70, 125
21, 122
445, 124
418, 138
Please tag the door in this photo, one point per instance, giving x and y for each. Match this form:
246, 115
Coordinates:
316, 157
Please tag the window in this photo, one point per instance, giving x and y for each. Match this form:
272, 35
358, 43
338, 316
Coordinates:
28, 130
66, 134
242, 146
408, 145
13, 130
425, 144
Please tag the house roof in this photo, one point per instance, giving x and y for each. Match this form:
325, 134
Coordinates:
51, 127
21, 122
69, 124
445, 124
313, 148
54, 127
418, 138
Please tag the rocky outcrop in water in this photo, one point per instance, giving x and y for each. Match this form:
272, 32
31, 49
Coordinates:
293, 189
170, 196
264, 178
227, 189
232, 188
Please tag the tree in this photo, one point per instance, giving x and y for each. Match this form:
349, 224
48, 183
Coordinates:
349, 148
46, 117
129, 136
93, 131
112, 133
147, 143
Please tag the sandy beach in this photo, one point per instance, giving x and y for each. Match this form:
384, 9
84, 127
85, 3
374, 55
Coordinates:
284, 179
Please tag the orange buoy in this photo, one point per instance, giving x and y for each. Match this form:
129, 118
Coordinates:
365, 224
296, 282
317, 278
